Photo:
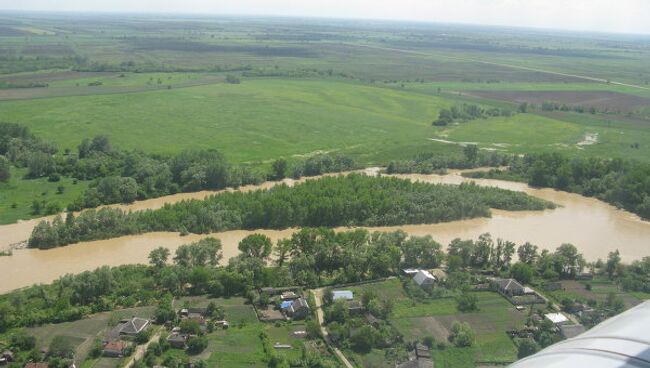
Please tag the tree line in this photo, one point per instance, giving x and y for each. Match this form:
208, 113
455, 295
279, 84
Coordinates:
466, 112
430, 162
120, 176
622, 183
352, 200
311, 257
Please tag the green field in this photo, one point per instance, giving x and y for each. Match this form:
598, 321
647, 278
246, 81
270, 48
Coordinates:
271, 118
22, 193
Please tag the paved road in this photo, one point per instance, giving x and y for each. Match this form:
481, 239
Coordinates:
318, 296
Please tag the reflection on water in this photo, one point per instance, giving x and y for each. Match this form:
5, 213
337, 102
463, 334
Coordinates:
593, 226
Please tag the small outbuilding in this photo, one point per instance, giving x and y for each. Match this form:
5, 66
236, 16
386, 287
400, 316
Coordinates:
557, 318
114, 349
177, 341
424, 279
8, 355
569, 331
299, 309
342, 294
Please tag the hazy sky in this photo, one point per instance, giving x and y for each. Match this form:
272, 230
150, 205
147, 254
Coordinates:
628, 16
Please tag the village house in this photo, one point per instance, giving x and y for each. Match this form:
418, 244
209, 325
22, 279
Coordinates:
114, 349
296, 309
509, 287
134, 326
424, 279
197, 312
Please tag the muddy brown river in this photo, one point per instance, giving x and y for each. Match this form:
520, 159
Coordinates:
591, 225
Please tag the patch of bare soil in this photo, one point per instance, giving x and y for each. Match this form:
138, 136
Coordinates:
434, 327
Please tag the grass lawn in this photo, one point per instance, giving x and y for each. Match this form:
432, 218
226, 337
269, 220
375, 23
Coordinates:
237, 310
525, 132
22, 192
237, 347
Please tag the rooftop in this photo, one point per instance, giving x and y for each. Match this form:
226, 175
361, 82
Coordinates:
556, 317
342, 294
509, 284
571, 331
134, 326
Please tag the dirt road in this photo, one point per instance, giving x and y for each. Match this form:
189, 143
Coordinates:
318, 296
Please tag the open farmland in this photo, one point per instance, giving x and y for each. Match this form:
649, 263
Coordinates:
271, 118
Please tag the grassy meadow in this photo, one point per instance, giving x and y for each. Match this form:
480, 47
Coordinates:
253, 121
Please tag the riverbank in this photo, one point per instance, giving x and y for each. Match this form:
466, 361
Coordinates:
593, 226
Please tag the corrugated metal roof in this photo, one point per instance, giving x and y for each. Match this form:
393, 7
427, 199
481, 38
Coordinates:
621, 341
342, 294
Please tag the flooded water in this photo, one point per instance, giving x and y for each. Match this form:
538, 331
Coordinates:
593, 226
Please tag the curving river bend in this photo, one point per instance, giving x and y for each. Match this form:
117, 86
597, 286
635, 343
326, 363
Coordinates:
595, 227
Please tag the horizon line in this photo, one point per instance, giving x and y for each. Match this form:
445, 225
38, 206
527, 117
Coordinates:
307, 16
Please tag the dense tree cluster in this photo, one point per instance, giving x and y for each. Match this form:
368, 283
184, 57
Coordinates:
23, 149
352, 200
467, 112
623, 183
429, 162
556, 106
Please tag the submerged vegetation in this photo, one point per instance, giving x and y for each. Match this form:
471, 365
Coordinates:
352, 200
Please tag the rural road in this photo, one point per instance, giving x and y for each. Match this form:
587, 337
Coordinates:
140, 350
318, 297
512, 66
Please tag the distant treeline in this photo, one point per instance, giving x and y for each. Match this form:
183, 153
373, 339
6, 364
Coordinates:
353, 200
622, 183
125, 176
